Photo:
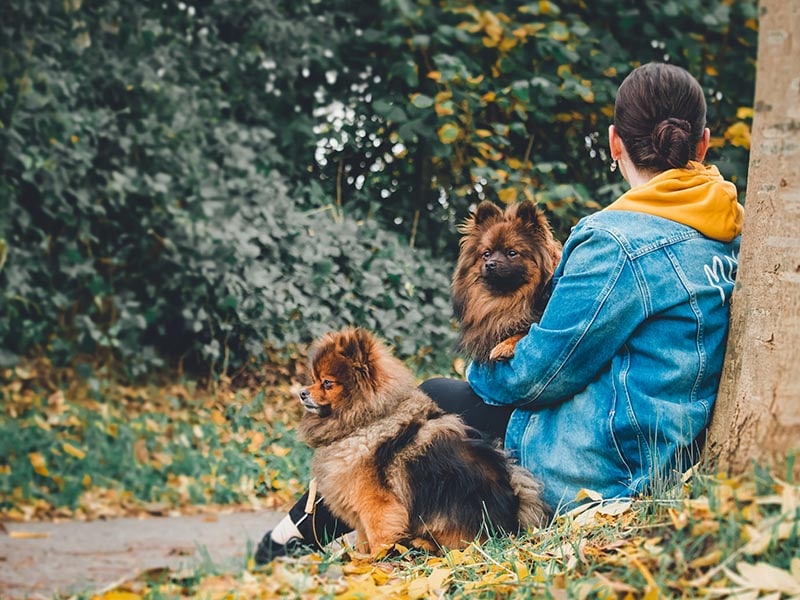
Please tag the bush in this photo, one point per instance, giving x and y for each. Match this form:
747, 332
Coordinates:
169, 172
221, 283
268, 271
148, 217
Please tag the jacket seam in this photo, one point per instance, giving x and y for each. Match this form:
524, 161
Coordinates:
612, 429
675, 238
645, 453
570, 348
699, 324
635, 252
644, 289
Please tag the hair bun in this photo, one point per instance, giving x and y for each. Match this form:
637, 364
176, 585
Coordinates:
671, 142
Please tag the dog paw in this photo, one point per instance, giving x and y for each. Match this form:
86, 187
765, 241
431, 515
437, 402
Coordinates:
504, 350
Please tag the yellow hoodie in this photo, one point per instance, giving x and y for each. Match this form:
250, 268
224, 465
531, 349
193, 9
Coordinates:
697, 196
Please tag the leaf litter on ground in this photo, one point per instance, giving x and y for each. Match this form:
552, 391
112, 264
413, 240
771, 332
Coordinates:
78, 452
712, 536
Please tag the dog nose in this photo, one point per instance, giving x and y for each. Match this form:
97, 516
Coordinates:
303, 394
491, 265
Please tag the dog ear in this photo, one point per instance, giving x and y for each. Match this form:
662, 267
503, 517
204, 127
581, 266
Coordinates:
527, 213
485, 211
359, 347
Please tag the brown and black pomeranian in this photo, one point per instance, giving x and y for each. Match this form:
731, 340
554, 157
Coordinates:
501, 282
395, 467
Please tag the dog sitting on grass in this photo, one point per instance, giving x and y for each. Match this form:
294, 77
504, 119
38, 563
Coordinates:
395, 467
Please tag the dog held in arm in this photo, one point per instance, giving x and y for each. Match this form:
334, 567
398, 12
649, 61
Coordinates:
395, 467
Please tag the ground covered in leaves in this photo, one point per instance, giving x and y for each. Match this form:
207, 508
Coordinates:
89, 450
718, 538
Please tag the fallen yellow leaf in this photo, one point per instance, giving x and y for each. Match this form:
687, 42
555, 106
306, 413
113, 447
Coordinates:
28, 535
709, 560
617, 507
763, 576
521, 569
38, 463
587, 493
437, 578
117, 595
256, 440
705, 526
218, 418
279, 450
140, 450
73, 451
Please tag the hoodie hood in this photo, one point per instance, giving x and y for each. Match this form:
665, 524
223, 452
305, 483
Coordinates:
697, 196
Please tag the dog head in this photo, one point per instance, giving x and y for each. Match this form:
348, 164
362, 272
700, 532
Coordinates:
504, 251
351, 371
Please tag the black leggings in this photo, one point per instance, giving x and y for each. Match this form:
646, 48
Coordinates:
455, 396
452, 396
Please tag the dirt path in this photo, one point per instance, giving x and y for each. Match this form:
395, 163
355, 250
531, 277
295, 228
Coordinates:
43, 560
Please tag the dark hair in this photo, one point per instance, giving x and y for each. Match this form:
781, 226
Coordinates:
660, 115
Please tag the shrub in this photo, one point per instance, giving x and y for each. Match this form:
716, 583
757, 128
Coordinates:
168, 172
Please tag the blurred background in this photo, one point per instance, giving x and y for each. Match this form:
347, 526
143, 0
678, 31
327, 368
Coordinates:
204, 187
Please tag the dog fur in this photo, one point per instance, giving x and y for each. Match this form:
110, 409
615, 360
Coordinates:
395, 467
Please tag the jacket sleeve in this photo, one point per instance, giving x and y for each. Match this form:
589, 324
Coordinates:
596, 305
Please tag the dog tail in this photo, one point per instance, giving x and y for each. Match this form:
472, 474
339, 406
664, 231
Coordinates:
532, 510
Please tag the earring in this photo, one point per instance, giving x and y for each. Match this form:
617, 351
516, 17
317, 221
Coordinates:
613, 166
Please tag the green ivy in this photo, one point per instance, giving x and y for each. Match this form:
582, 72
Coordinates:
206, 181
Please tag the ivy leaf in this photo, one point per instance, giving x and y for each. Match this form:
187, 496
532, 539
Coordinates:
421, 101
738, 134
448, 133
508, 195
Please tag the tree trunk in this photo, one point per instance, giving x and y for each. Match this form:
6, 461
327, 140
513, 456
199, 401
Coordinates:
757, 415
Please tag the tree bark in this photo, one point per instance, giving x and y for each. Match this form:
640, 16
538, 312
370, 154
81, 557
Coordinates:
757, 414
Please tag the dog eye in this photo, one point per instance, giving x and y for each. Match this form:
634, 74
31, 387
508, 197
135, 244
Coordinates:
327, 384
486, 254
511, 253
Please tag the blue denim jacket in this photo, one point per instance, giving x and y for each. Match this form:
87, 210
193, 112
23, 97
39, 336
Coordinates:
615, 384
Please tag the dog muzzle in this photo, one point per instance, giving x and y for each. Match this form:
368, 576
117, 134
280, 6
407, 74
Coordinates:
321, 410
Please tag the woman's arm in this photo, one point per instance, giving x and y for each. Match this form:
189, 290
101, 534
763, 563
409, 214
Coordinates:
597, 303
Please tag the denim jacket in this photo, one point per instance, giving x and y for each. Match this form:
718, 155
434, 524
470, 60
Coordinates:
615, 386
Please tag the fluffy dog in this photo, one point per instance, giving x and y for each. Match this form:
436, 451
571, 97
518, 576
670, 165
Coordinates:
505, 263
395, 467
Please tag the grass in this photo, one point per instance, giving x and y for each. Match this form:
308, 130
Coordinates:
716, 538
87, 451
94, 451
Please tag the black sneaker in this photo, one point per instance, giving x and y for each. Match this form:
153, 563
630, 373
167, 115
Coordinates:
268, 550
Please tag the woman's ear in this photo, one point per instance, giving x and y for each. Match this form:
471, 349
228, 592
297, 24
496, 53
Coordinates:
614, 143
702, 145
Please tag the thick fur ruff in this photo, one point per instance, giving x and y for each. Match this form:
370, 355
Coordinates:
505, 264
394, 466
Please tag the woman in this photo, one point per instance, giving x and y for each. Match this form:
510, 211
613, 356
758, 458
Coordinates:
613, 389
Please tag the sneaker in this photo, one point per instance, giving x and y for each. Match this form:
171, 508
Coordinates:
268, 550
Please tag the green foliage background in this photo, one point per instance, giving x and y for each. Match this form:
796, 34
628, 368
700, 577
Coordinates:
210, 181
